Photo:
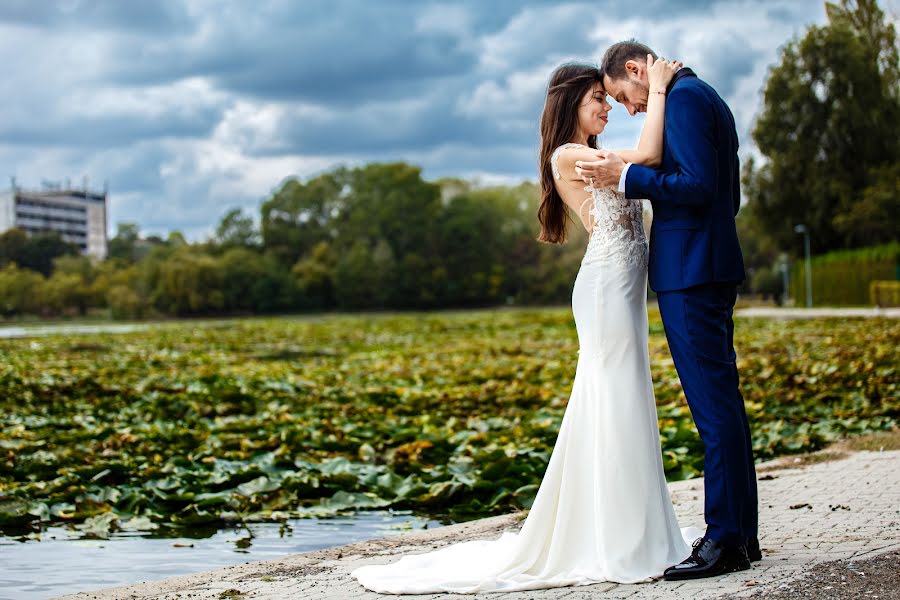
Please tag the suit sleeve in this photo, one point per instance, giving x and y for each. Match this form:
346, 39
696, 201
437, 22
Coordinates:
690, 139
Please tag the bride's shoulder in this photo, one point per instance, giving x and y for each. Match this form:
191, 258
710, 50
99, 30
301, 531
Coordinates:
567, 154
565, 147
569, 145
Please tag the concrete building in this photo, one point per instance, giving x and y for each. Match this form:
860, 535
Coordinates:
78, 215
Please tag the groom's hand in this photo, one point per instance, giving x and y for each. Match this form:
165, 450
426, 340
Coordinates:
605, 172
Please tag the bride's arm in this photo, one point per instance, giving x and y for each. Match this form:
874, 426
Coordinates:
650, 146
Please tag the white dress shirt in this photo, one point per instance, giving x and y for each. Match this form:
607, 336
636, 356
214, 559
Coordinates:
622, 178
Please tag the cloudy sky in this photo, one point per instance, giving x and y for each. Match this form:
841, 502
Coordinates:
190, 107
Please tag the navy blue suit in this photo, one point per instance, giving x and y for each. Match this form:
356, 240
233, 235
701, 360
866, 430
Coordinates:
695, 267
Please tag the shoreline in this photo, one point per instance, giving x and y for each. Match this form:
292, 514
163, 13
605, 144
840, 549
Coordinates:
825, 506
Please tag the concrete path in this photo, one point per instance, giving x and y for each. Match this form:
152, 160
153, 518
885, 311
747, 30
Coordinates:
774, 312
846, 507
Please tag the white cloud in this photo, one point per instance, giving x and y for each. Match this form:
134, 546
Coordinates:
445, 18
511, 96
541, 34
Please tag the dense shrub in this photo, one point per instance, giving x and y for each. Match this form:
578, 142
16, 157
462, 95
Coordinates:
844, 277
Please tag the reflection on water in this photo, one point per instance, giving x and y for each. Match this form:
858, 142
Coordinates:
60, 564
41, 330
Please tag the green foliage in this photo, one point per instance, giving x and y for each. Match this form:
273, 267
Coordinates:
236, 230
884, 293
251, 282
11, 243
873, 216
36, 252
64, 290
124, 303
757, 246
371, 237
768, 283
844, 277
121, 289
188, 283
313, 277
298, 215
19, 290
442, 413
830, 133
125, 244
362, 276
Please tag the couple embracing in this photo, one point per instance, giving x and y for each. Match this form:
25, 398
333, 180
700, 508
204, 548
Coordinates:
603, 510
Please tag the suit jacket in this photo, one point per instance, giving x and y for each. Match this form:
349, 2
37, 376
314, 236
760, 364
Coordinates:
696, 191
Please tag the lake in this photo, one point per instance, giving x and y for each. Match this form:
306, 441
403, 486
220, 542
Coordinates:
60, 563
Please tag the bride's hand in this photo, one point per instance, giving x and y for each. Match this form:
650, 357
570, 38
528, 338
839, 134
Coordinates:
660, 72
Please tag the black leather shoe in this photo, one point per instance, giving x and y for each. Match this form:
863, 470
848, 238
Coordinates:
753, 551
709, 558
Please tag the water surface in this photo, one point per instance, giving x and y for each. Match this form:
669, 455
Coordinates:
62, 564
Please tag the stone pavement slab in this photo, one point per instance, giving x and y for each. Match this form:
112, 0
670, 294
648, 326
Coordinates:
809, 514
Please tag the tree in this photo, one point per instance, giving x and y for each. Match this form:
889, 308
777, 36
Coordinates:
62, 291
122, 289
300, 215
874, 215
19, 290
391, 201
236, 230
124, 244
469, 233
124, 303
188, 282
362, 276
830, 133
314, 277
11, 243
176, 239
39, 251
255, 283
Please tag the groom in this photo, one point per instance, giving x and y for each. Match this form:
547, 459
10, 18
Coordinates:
695, 268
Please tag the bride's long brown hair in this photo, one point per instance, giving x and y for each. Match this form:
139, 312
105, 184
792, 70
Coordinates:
559, 122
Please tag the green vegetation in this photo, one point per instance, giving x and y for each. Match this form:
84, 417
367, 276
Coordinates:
829, 136
829, 130
377, 236
844, 277
884, 293
445, 413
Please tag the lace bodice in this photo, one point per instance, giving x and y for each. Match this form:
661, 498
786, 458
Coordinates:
617, 230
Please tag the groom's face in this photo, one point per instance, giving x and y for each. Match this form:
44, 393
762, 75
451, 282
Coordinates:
632, 90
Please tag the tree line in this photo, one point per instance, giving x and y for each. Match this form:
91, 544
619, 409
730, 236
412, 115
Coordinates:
372, 237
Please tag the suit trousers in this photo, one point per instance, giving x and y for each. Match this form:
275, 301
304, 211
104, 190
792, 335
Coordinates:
699, 327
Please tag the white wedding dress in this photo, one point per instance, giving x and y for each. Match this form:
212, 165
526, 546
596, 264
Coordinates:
603, 511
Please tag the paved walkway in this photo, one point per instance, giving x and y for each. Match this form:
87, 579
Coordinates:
824, 511
816, 313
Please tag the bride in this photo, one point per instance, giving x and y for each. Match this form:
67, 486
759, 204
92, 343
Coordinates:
602, 511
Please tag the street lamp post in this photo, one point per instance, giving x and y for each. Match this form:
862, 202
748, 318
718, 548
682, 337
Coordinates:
805, 231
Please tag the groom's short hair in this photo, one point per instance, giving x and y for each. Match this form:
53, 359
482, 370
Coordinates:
615, 57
